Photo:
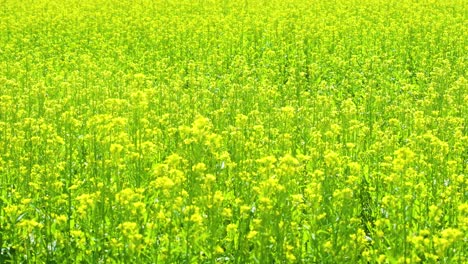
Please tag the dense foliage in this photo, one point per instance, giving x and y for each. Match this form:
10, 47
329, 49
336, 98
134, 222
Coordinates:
279, 131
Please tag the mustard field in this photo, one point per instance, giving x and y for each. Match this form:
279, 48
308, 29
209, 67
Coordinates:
233, 131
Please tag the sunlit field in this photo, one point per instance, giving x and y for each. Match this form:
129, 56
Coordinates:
235, 131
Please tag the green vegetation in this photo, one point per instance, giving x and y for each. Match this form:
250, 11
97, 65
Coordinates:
203, 131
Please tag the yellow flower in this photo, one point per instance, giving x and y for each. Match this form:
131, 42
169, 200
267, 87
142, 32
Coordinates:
199, 167
354, 167
219, 250
290, 257
241, 120
451, 234
116, 149
231, 228
30, 225
128, 228
218, 197
139, 208
61, 219
227, 212
196, 218
404, 156
288, 111
11, 209
381, 258
163, 182
327, 246
26, 201
210, 178
297, 199
332, 158
79, 237
116, 243
252, 234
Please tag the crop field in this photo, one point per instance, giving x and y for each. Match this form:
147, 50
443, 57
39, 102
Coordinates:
235, 131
